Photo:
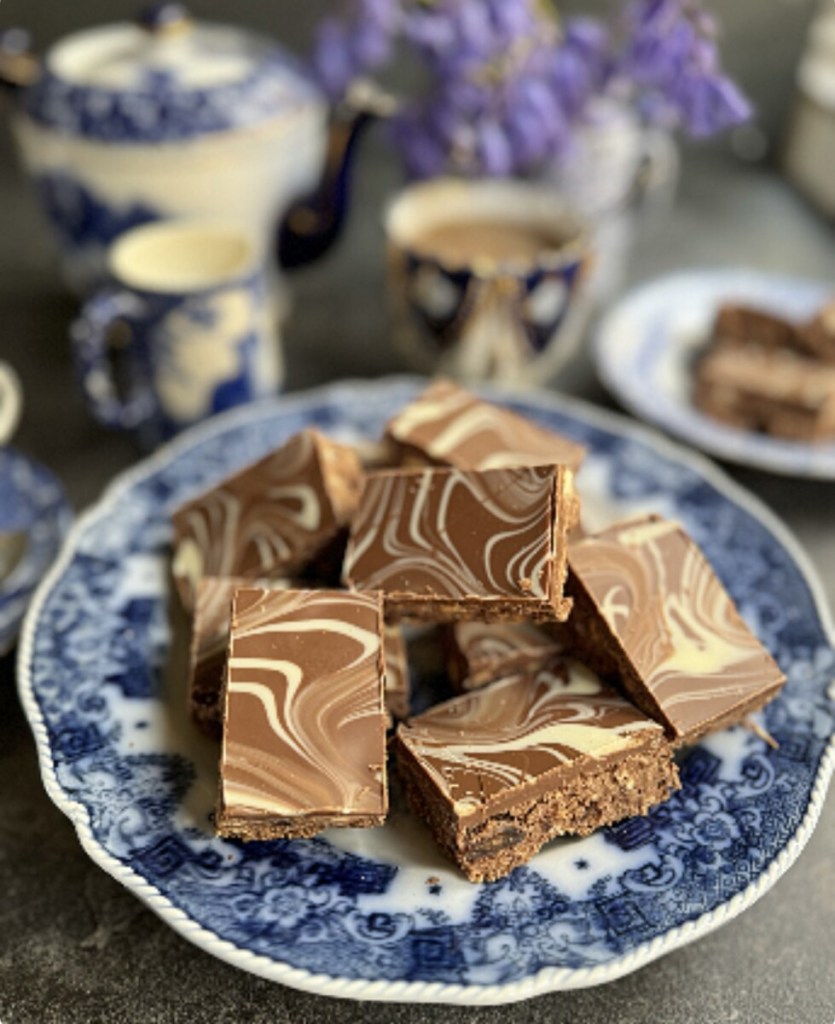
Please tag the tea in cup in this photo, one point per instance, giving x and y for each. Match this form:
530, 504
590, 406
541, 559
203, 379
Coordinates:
488, 278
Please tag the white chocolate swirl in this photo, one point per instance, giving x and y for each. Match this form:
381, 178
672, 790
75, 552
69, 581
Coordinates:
487, 650
480, 747
210, 637
687, 643
453, 427
397, 673
271, 518
449, 534
304, 730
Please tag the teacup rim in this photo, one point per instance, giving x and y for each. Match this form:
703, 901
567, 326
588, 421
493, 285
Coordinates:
574, 249
251, 262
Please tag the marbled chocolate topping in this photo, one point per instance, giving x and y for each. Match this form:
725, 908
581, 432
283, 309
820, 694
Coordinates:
778, 377
271, 518
210, 637
690, 652
448, 535
397, 673
819, 334
737, 325
304, 726
450, 426
479, 749
484, 650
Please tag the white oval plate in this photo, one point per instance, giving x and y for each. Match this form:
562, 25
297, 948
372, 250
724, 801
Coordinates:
378, 913
646, 344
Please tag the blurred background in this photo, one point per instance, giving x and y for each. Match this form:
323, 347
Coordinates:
761, 39
762, 42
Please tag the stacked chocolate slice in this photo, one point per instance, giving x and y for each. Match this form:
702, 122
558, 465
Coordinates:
764, 373
581, 661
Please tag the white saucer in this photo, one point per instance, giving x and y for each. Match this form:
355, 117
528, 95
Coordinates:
646, 345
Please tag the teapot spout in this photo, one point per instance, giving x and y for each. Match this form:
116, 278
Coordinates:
313, 223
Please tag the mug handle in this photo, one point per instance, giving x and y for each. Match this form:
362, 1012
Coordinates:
11, 402
90, 341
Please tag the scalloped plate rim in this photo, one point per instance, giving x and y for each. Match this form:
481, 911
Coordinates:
757, 451
548, 979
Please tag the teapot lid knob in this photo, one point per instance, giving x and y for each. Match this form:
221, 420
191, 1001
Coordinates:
164, 18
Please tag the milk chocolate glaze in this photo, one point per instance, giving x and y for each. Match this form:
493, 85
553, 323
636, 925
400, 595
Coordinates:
304, 729
480, 747
452, 427
689, 647
451, 534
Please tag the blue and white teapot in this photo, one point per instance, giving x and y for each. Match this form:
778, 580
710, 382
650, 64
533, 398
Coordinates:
128, 123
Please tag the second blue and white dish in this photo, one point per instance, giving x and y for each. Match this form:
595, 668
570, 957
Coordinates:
646, 345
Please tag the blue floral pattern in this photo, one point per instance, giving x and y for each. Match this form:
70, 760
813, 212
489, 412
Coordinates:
192, 354
160, 108
82, 218
32, 502
382, 905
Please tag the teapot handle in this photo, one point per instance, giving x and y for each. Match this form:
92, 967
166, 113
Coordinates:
19, 67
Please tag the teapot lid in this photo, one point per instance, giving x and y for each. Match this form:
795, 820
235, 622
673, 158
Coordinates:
164, 79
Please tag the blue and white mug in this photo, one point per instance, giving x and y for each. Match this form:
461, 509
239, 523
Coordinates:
200, 328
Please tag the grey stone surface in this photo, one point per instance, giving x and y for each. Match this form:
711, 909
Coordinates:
74, 945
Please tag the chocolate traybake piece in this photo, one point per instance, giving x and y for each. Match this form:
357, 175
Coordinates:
271, 519
479, 652
448, 426
498, 772
650, 609
446, 544
304, 727
778, 394
209, 642
740, 326
819, 334
380, 454
397, 674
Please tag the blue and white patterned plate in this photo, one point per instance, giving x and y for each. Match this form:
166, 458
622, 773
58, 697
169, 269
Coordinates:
646, 345
378, 913
32, 503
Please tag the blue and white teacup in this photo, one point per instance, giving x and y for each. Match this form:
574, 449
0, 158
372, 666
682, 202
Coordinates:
191, 303
488, 278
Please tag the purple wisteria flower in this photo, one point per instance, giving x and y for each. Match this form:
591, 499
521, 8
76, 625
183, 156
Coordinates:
672, 59
506, 81
355, 44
